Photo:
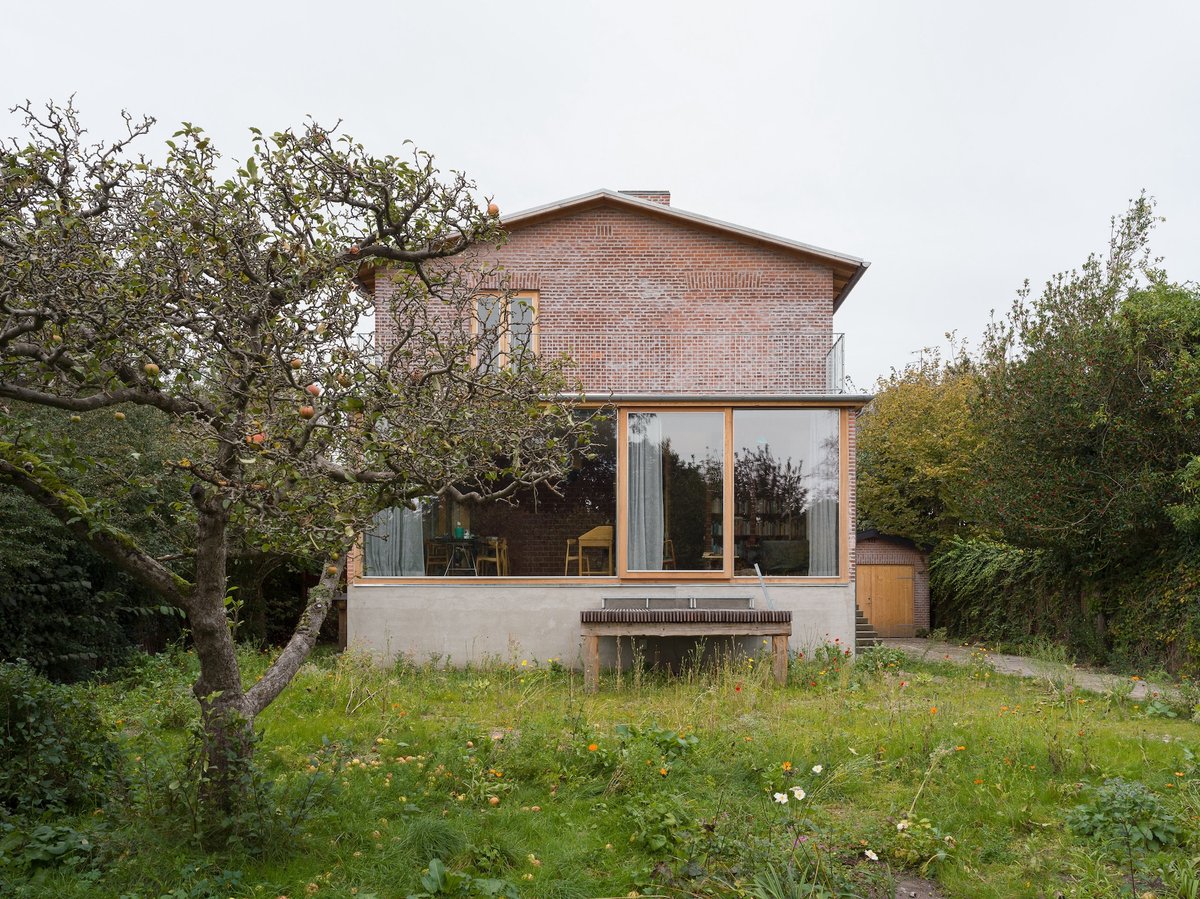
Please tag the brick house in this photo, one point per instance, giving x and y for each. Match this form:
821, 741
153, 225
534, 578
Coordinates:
727, 442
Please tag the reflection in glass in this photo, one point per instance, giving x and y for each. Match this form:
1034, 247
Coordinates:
676, 491
786, 481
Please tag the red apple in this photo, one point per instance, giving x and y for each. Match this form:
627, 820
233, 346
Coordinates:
307, 411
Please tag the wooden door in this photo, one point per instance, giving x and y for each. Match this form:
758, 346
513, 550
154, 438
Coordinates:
885, 595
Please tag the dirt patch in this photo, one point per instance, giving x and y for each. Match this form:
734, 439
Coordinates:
908, 887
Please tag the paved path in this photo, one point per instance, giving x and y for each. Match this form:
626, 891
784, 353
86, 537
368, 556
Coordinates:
1022, 666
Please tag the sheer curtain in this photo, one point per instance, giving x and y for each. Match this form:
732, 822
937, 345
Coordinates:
395, 545
645, 492
823, 494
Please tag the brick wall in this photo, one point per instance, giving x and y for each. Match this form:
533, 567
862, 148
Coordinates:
647, 305
881, 551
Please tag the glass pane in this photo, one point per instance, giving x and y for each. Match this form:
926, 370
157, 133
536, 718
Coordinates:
676, 488
785, 490
490, 328
539, 532
520, 326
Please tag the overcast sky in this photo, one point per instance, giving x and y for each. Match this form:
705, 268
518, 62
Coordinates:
959, 147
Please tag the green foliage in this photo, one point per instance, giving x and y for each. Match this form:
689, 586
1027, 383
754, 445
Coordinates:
1087, 406
439, 881
1125, 813
55, 754
917, 442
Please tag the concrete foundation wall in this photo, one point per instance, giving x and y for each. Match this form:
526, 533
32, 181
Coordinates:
468, 624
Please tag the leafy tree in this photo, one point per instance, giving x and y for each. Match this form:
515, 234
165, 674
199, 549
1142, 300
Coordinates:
229, 298
917, 443
1087, 406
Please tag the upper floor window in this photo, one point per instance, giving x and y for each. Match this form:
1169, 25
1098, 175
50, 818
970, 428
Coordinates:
506, 326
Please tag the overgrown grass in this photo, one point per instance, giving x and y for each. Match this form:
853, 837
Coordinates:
521, 783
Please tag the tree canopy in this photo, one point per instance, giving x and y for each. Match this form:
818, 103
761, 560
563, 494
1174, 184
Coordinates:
230, 297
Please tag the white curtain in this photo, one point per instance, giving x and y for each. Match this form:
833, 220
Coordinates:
395, 545
645, 492
823, 456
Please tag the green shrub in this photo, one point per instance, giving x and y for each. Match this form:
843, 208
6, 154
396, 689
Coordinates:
54, 754
1125, 812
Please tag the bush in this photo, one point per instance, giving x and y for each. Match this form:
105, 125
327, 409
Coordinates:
54, 755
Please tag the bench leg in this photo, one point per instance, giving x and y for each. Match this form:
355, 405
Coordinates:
779, 657
591, 662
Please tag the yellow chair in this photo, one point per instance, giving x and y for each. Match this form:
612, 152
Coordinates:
495, 551
600, 538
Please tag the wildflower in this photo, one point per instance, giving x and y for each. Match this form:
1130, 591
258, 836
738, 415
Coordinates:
817, 769
524, 663
902, 824
871, 855
978, 781
960, 748
737, 688
786, 766
781, 798
592, 747
798, 792
933, 710
662, 771
1179, 774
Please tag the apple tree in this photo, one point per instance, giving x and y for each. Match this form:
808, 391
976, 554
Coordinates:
230, 297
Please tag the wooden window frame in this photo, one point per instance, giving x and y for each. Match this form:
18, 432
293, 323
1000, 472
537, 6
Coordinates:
726, 572
509, 297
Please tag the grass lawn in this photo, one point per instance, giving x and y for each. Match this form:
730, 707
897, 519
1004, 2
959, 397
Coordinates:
655, 786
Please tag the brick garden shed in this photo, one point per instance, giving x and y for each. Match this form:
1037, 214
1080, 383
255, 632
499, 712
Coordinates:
893, 584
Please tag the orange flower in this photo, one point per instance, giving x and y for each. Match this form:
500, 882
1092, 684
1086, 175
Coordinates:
960, 748
662, 771
786, 766
933, 710
978, 781
592, 747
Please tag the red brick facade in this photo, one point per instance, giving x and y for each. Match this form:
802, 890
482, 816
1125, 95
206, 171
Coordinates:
648, 302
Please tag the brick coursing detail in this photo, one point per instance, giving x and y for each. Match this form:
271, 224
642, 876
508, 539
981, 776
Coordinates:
647, 305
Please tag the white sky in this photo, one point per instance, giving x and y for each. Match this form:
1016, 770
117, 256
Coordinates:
959, 147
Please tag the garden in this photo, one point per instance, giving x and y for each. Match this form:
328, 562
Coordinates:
507, 779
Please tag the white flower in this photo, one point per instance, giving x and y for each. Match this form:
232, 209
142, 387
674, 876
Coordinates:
781, 798
798, 793
871, 855
902, 824
817, 769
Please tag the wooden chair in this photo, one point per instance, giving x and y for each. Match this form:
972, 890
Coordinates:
437, 557
495, 552
600, 538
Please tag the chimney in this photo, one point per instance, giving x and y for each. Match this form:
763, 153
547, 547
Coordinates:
661, 197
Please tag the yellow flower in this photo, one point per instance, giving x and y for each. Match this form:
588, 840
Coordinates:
786, 766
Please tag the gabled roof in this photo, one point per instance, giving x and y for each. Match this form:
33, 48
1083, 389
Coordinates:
846, 269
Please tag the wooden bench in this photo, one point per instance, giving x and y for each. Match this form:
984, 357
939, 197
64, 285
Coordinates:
691, 622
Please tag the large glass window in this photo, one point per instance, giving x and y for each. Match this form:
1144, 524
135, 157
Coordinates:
785, 491
566, 531
676, 491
